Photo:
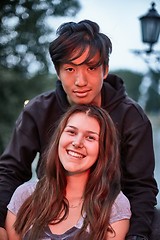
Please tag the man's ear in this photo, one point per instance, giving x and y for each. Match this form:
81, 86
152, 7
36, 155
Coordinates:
58, 76
106, 70
58, 73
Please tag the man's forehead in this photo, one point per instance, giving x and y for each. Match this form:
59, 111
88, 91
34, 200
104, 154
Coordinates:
86, 58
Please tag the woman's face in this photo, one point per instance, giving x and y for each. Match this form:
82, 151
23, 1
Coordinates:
79, 143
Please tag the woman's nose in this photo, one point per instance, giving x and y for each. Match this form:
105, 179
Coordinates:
78, 143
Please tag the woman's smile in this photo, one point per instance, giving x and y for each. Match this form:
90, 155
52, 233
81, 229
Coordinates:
75, 154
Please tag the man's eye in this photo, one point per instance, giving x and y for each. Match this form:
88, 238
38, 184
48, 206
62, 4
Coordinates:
69, 69
92, 68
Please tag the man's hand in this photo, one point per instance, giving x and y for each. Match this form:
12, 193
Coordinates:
3, 234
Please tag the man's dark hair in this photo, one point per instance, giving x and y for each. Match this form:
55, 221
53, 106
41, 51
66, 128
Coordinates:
74, 38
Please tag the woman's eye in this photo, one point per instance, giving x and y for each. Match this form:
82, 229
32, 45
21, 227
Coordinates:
72, 132
91, 138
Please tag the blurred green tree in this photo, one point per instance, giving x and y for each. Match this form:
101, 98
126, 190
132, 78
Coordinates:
24, 59
153, 93
132, 81
25, 32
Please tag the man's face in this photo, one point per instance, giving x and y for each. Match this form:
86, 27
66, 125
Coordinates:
83, 82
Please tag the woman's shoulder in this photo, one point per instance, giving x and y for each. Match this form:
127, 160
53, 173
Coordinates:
20, 195
121, 208
122, 200
25, 189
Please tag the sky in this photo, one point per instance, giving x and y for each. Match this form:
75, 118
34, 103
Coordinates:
119, 20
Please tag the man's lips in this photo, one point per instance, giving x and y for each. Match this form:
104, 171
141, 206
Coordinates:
81, 93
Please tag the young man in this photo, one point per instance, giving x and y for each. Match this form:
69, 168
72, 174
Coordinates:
80, 55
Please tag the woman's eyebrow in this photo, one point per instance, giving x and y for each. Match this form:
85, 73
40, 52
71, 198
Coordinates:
88, 131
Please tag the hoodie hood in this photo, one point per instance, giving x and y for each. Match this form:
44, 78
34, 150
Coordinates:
113, 92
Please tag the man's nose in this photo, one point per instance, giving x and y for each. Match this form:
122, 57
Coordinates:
81, 79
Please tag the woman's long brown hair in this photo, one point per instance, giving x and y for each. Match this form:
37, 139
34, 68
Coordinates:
48, 201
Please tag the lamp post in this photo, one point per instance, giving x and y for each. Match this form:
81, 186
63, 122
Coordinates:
150, 26
150, 31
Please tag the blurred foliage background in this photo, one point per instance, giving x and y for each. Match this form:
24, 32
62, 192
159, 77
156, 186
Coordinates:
24, 59
25, 66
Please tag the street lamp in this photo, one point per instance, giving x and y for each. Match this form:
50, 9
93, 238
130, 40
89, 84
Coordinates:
150, 30
150, 26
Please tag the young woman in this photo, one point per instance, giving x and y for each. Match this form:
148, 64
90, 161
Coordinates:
79, 195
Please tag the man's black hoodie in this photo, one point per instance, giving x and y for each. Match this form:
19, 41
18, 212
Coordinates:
36, 124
